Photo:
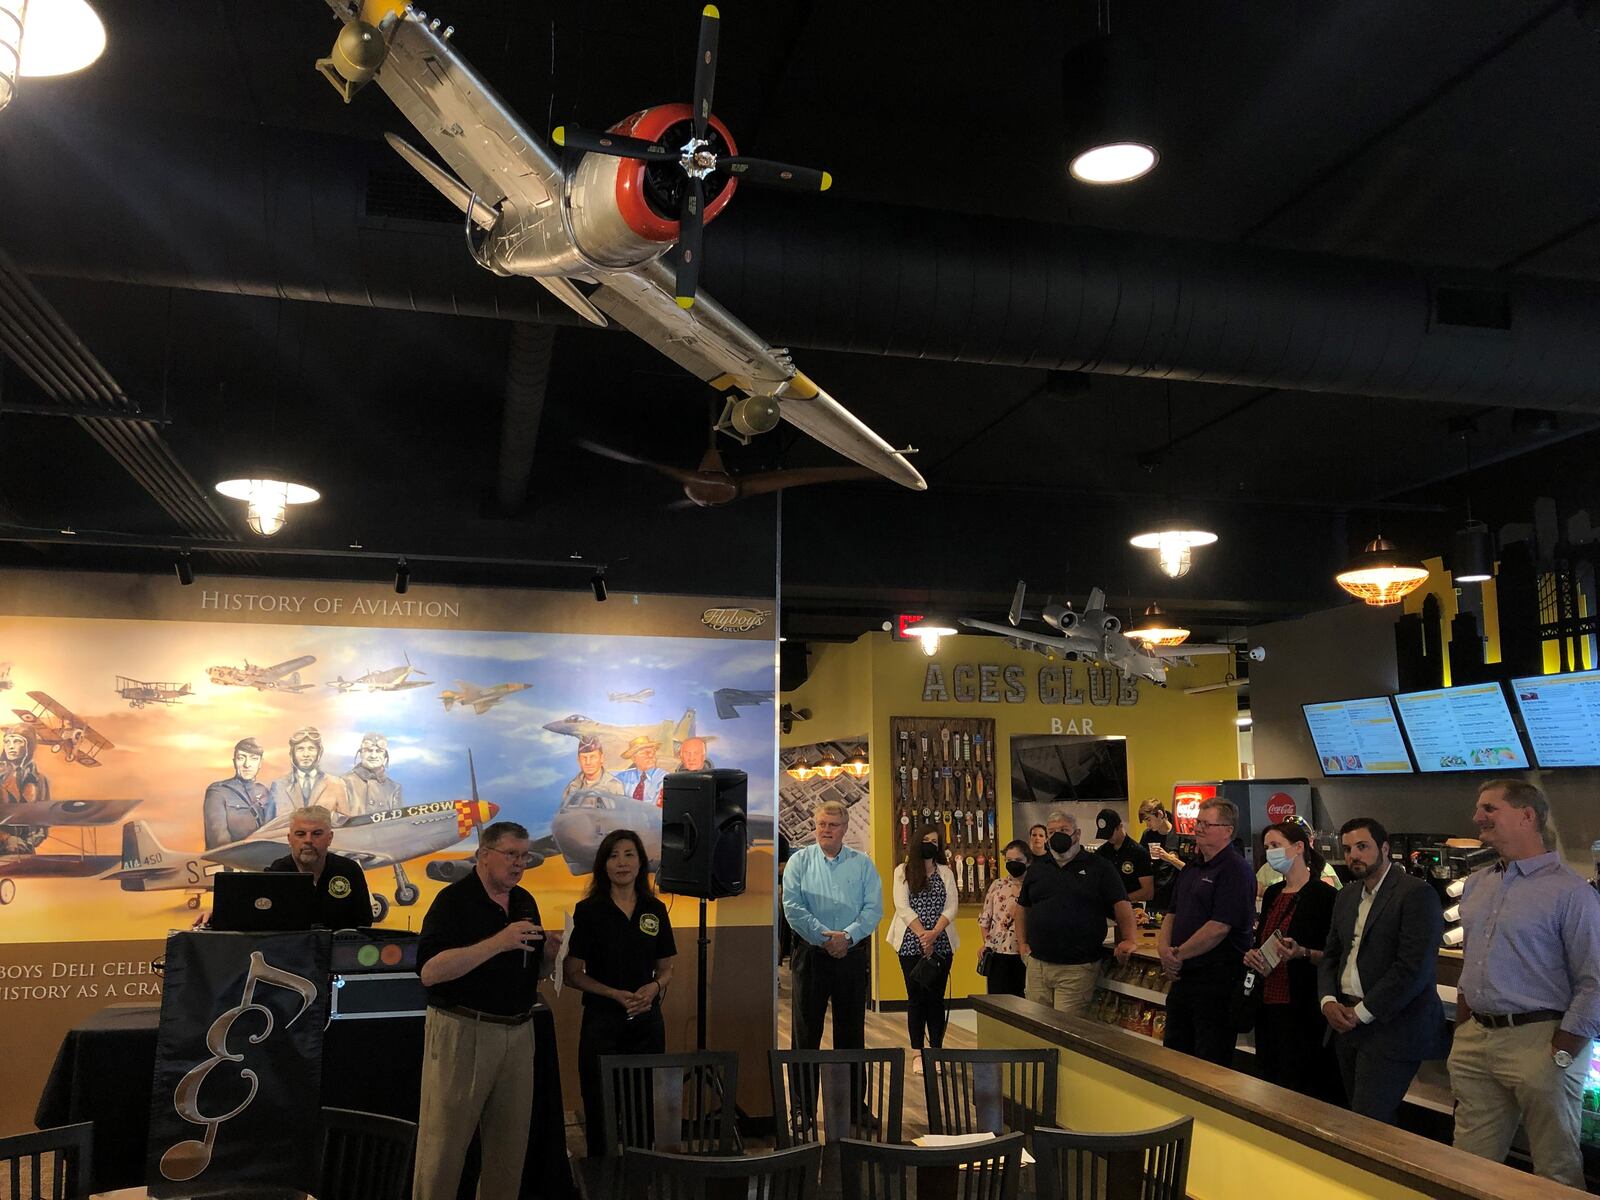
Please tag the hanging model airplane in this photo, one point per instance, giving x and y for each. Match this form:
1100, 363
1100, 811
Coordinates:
394, 679
594, 231
1092, 635
712, 484
63, 731
283, 677
138, 693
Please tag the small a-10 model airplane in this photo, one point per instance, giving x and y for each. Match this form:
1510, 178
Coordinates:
593, 229
1092, 635
63, 731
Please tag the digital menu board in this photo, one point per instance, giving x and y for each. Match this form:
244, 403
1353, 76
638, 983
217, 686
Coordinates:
1357, 737
1562, 716
1461, 729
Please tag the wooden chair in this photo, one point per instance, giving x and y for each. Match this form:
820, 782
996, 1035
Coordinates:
784, 1175
365, 1156
52, 1164
989, 1091
1150, 1164
674, 1102
849, 1083
987, 1170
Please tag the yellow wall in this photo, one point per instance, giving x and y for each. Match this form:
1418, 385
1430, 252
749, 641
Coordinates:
1171, 737
1229, 1157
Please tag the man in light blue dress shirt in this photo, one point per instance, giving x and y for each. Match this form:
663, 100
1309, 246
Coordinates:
833, 900
1529, 999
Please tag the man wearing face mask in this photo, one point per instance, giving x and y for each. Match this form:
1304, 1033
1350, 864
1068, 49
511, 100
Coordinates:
1204, 938
1067, 897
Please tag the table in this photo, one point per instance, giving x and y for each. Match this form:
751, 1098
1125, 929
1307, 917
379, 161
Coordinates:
106, 1065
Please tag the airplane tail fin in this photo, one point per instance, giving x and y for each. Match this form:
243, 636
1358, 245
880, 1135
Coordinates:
684, 729
1097, 601
140, 848
186, 690
1015, 615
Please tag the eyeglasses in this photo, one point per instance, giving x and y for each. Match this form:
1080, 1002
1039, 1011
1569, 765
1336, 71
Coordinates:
527, 858
1213, 825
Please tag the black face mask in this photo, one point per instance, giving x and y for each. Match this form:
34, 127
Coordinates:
1015, 869
1060, 842
929, 851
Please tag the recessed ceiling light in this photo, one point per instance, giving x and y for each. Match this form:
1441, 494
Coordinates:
1114, 162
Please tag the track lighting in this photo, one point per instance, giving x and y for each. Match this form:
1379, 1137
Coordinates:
402, 576
597, 584
185, 570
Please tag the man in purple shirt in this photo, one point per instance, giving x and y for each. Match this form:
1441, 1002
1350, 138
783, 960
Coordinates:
1204, 937
1529, 1000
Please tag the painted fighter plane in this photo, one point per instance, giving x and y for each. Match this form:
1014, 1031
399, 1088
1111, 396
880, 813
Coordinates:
82, 861
586, 816
395, 679
593, 230
388, 838
479, 699
630, 697
1092, 635
284, 677
615, 738
731, 700
448, 870
138, 693
58, 727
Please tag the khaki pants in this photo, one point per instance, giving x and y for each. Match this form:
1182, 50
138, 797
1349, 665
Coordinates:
477, 1076
1065, 987
1505, 1077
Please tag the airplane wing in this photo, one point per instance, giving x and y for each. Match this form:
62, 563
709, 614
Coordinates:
1041, 642
712, 344
407, 686
1186, 651
54, 707
255, 854
286, 668
483, 706
57, 866
68, 812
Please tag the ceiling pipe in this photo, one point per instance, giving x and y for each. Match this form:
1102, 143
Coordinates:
276, 213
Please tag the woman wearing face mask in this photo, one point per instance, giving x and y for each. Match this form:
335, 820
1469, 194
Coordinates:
1007, 972
925, 900
1290, 1029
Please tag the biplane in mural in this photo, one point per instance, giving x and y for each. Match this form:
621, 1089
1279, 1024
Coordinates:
284, 677
139, 693
63, 731
479, 699
394, 679
74, 824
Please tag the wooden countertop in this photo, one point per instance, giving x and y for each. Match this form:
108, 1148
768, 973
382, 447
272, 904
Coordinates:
1417, 1162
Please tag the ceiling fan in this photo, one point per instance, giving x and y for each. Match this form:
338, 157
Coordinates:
712, 484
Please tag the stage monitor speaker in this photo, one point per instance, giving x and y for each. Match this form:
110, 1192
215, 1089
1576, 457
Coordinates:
703, 838
794, 664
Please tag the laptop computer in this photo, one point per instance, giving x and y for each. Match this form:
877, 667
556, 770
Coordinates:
263, 901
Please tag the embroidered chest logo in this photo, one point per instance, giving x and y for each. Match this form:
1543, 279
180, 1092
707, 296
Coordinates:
338, 887
650, 924
1127, 868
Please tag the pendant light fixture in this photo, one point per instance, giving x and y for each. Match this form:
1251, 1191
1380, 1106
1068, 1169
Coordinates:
857, 764
1175, 541
800, 770
1107, 85
829, 767
928, 631
62, 36
1158, 630
267, 497
1472, 552
1381, 575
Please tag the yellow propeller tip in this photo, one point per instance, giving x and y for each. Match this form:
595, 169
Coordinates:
685, 301
558, 135
827, 181
710, 10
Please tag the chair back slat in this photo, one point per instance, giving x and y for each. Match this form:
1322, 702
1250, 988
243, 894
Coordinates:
989, 1091
365, 1156
783, 1175
1146, 1164
849, 1084
987, 1170
50, 1164
670, 1102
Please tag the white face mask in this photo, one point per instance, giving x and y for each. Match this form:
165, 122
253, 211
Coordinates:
1279, 859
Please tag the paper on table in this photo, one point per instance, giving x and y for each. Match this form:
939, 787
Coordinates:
941, 1140
561, 954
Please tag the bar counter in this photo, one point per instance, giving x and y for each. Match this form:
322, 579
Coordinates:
1250, 1137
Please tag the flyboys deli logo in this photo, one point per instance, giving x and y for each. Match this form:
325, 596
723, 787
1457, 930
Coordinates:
734, 620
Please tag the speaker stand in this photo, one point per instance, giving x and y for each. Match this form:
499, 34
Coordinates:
703, 945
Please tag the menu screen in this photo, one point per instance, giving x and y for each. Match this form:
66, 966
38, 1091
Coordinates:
1462, 729
1358, 737
1562, 716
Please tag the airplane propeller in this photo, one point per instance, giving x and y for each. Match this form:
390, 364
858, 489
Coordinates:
711, 484
698, 160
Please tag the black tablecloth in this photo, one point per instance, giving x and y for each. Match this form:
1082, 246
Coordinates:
105, 1067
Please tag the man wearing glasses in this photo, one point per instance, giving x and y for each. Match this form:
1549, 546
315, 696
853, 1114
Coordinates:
1204, 938
481, 955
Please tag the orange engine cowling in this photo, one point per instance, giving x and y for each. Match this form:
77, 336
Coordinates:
623, 210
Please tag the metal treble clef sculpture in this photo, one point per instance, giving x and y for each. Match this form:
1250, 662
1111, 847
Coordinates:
187, 1159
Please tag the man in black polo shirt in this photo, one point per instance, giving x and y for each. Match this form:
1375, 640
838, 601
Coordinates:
1131, 860
343, 901
1204, 938
1067, 896
481, 955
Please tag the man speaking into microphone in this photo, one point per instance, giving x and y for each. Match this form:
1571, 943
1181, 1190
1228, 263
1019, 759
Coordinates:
481, 955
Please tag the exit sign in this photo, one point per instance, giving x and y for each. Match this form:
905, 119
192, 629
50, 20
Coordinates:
903, 622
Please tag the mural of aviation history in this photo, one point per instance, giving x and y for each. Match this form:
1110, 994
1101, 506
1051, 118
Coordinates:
142, 756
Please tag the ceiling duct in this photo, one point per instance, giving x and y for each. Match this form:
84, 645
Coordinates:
268, 212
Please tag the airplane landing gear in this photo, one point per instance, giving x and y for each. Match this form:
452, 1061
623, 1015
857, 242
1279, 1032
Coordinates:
8, 890
405, 892
380, 907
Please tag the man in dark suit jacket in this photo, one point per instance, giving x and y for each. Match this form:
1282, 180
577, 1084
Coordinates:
1377, 977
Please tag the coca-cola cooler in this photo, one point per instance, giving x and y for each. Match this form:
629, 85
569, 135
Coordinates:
1261, 802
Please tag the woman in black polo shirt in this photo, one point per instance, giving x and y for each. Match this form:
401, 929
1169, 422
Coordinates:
620, 958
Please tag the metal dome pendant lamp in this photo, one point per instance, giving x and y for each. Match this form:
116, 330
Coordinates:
1175, 541
1380, 575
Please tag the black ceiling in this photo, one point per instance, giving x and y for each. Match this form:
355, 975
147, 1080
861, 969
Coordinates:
252, 266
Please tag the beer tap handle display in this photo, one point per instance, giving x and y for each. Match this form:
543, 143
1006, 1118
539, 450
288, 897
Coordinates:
958, 753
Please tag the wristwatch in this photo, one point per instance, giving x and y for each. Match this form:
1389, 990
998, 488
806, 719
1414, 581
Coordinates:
1563, 1059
